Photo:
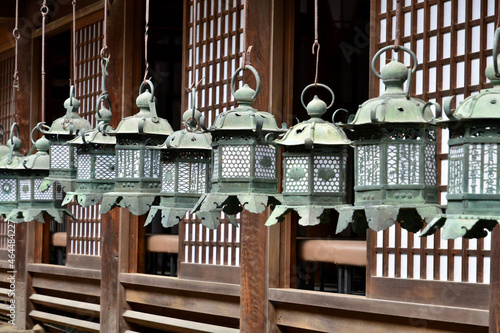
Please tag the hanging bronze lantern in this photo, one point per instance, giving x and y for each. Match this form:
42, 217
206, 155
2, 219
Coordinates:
473, 168
95, 154
33, 203
244, 162
138, 179
63, 166
185, 165
314, 166
9, 182
395, 156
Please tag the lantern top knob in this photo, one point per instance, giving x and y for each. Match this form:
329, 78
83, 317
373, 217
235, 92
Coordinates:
245, 95
42, 145
142, 101
490, 74
316, 108
394, 74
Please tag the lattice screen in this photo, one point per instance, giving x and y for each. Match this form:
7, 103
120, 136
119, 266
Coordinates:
453, 42
7, 111
3, 233
85, 233
218, 49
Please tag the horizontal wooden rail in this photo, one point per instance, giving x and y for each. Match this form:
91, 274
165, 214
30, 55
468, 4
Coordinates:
173, 324
50, 318
93, 274
78, 307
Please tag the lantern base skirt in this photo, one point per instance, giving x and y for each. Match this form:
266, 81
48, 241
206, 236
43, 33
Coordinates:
83, 199
170, 216
467, 226
308, 215
381, 217
28, 215
67, 185
137, 203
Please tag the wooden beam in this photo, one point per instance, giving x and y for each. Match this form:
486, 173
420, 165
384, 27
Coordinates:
92, 274
67, 305
173, 324
109, 271
68, 322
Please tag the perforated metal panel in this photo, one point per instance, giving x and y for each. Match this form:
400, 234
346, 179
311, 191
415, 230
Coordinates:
45, 195
483, 166
430, 172
169, 175
8, 191
327, 174
129, 162
84, 165
152, 163
368, 165
105, 167
215, 173
403, 164
25, 189
236, 161
297, 174
265, 162
59, 156
456, 169
192, 178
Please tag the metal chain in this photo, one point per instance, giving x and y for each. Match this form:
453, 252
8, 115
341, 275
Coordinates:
316, 46
245, 58
16, 35
44, 10
74, 44
398, 25
146, 42
193, 53
105, 51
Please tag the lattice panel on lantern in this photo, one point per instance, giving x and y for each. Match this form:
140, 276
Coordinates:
456, 165
326, 174
430, 158
25, 189
218, 54
84, 164
453, 43
265, 162
192, 171
8, 191
59, 156
129, 162
205, 246
368, 165
235, 161
7, 110
105, 167
402, 164
88, 81
402, 254
297, 177
45, 195
169, 174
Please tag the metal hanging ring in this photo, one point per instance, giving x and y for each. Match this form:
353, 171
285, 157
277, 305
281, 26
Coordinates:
37, 127
105, 54
495, 52
103, 97
44, 129
336, 111
255, 73
317, 85
12, 128
16, 33
151, 87
44, 10
391, 47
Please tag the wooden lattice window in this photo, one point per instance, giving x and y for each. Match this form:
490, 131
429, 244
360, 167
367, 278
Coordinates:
453, 42
7, 111
218, 49
85, 232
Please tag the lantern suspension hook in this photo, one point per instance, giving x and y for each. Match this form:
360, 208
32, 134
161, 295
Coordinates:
105, 50
316, 46
390, 47
40, 129
74, 44
44, 10
438, 111
397, 40
447, 108
335, 113
151, 101
16, 35
104, 96
257, 79
317, 85
146, 33
495, 52
15, 142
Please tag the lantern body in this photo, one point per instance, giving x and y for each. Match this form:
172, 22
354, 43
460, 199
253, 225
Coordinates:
95, 155
137, 180
63, 164
473, 176
9, 181
395, 158
185, 166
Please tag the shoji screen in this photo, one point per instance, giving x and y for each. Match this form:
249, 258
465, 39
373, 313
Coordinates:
218, 46
6, 110
85, 232
452, 40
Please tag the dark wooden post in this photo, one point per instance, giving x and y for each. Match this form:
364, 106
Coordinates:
495, 281
254, 304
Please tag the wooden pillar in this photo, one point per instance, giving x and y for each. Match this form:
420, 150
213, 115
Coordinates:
254, 306
495, 281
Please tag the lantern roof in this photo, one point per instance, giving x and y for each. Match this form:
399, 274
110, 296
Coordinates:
184, 139
71, 122
314, 131
40, 160
144, 122
96, 137
395, 105
484, 105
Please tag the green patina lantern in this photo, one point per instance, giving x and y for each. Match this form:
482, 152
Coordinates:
473, 166
33, 203
9, 182
314, 166
63, 165
395, 156
185, 165
244, 162
95, 154
137, 177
